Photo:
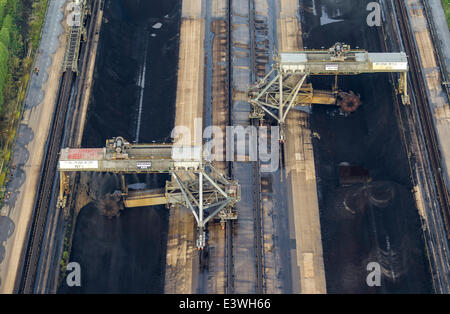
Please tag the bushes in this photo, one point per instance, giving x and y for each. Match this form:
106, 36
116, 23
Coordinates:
446, 5
20, 27
4, 55
3, 71
20, 23
2, 10
10, 48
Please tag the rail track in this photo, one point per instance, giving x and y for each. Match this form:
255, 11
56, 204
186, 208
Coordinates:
259, 254
44, 195
256, 164
259, 284
424, 109
229, 225
49, 171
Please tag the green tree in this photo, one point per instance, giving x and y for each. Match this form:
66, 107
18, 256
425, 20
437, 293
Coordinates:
4, 58
4, 35
2, 10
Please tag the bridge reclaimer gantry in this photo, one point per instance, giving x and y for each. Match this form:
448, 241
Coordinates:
195, 183
285, 86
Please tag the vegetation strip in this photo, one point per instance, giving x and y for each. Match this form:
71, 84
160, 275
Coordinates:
20, 32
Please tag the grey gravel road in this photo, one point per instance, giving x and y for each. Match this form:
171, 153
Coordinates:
16, 211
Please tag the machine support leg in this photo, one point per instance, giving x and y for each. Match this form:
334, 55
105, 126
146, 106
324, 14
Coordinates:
124, 185
335, 87
62, 184
403, 87
63, 189
280, 109
200, 195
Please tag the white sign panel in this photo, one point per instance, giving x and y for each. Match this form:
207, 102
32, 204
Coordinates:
331, 67
390, 66
293, 68
144, 165
78, 164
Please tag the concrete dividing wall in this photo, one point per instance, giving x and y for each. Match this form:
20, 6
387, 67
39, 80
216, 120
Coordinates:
182, 254
308, 273
217, 102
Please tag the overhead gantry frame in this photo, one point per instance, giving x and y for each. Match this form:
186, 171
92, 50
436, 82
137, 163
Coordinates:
285, 87
195, 183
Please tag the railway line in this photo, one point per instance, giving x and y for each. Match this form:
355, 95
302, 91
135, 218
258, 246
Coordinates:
258, 228
424, 109
213, 231
257, 206
256, 164
42, 208
229, 286
49, 170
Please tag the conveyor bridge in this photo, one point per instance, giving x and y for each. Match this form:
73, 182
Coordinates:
195, 183
285, 86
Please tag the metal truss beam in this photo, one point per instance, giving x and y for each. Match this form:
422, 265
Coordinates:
284, 87
195, 183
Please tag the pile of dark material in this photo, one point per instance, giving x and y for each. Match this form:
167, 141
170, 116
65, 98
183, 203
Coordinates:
111, 204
